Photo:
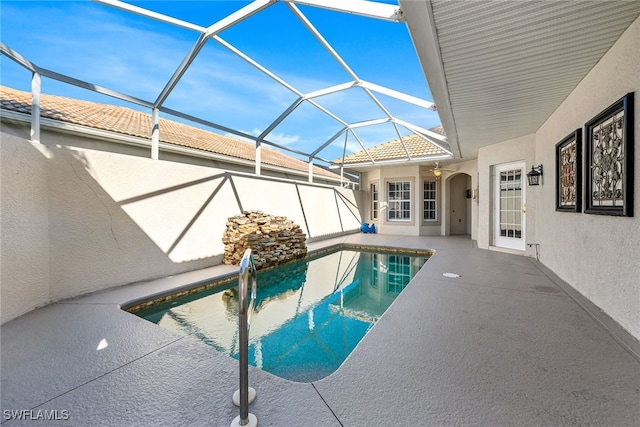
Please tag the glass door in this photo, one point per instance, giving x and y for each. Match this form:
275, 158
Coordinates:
509, 203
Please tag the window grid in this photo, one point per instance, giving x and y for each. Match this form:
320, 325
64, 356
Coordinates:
511, 203
399, 200
374, 277
398, 273
374, 201
429, 201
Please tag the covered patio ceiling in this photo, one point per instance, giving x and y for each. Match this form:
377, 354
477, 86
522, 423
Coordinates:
498, 69
347, 115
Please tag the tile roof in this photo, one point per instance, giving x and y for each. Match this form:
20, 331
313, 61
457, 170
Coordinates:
126, 121
416, 146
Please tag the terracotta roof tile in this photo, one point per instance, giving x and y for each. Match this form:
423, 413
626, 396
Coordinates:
416, 146
126, 121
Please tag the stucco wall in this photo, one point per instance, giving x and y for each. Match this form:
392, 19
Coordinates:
597, 255
416, 174
470, 168
24, 227
78, 220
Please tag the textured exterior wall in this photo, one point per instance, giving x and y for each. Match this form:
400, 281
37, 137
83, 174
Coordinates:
395, 174
77, 220
416, 175
598, 255
470, 168
24, 227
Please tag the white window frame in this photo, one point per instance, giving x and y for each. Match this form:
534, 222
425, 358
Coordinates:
398, 273
375, 200
434, 191
395, 201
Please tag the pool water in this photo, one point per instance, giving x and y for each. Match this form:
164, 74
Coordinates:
309, 314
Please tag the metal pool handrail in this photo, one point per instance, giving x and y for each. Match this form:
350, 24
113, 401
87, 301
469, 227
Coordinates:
246, 394
247, 267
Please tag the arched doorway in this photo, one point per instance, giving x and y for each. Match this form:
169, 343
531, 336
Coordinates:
459, 194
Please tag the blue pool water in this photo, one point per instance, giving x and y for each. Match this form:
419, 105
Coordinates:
309, 314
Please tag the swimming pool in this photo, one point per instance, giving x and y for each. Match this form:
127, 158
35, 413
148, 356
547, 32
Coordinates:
309, 314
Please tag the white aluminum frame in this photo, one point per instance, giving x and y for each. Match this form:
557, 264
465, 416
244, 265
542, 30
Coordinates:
365, 8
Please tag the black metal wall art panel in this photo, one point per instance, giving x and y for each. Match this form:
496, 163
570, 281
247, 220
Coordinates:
569, 173
609, 160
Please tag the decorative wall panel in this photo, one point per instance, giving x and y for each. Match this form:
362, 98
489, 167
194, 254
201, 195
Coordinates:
569, 173
609, 160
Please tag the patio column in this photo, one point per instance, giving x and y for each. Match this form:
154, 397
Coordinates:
310, 169
35, 107
155, 135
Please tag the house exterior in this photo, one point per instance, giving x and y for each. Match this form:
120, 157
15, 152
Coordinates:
406, 196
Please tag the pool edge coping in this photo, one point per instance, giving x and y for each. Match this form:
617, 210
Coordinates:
149, 300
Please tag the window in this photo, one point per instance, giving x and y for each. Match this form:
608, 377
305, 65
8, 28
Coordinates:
399, 200
374, 201
376, 268
429, 205
511, 203
398, 273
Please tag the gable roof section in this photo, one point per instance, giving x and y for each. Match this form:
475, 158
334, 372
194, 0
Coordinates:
134, 123
416, 145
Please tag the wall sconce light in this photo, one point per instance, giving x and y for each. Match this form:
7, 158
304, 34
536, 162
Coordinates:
437, 172
535, 175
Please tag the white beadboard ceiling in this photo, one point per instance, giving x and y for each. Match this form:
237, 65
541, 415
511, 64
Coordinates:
498, 69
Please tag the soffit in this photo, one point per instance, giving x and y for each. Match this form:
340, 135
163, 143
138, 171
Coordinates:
498, 70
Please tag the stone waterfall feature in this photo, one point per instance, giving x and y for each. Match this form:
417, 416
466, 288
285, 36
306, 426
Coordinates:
273, 239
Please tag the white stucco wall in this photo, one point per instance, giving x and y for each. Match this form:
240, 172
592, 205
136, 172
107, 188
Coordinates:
598, 255
24, 227
77, 220
369, 177
416, 174
470, 167
396, 174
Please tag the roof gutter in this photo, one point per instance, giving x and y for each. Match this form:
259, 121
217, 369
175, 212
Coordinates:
427, 47
402, 161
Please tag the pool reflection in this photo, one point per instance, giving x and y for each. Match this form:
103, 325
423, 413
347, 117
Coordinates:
309, 314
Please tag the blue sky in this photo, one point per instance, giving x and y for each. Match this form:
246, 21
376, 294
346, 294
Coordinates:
137, 56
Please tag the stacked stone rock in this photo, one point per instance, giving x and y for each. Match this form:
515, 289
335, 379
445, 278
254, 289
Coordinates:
273, 239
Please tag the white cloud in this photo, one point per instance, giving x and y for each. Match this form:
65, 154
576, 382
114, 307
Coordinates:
352, 146
277, 138
282, 139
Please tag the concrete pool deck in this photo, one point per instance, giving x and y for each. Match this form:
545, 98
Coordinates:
507, 343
